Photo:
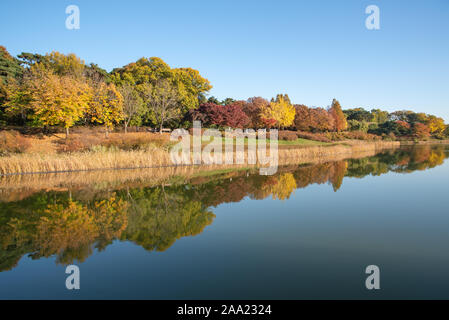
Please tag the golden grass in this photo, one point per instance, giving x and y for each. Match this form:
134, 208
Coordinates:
37, 163
157, 157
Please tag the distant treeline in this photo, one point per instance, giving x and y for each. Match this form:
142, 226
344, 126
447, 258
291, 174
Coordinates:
57, 90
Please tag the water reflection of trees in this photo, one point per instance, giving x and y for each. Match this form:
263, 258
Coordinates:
54, 224
71, 226
404, 160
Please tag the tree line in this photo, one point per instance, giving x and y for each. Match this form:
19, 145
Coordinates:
57, 90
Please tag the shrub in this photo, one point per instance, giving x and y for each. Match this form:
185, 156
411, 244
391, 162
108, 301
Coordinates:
78, 143
13, 142
135, 141
321, 137
360, 135
335, 136
288, 135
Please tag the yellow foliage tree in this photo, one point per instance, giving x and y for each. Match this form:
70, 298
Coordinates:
65, 65
106, 106
280, 110
435, 124
57, 100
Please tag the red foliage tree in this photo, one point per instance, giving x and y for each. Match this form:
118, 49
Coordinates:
402, 127
268, 123
321, 120
252, 109
313, 120
223, 116
420, 130
234, 116
302, 118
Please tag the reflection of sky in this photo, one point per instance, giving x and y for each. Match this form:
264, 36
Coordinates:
314, 245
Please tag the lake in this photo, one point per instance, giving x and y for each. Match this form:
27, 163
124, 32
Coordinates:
307, 232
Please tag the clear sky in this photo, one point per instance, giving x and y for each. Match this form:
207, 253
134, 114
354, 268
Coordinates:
314, 50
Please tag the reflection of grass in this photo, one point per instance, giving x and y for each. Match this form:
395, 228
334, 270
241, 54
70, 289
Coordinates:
218, 172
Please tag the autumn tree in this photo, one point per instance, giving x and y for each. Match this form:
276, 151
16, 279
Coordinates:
435, 124
321, 120
420, 130
281, 110
133, 107
16, 98
402, 127
64, 65
233, 116
106, 105
189, 86
163, 101
302, 118
57, 100
379, 116
313, 119
253, 108
222, 116
338, 115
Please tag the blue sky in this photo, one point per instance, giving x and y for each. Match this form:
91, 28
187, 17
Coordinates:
312, 50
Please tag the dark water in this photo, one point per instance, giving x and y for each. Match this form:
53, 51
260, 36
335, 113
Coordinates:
307, 232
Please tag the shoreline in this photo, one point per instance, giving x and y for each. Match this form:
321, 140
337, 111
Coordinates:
423, 142
156, 158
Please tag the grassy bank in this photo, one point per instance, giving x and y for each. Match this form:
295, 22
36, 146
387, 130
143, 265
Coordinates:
134, 151
426, 142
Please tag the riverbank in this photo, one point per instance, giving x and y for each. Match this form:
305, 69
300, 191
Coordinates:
157, 157
424, 142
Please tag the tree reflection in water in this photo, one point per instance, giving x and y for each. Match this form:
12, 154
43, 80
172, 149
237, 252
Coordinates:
70, 227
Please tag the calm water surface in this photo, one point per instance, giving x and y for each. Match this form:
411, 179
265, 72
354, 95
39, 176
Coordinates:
307, 232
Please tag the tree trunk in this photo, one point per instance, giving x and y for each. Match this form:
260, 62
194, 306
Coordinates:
126, 127
67, 132
162, 125
107, 132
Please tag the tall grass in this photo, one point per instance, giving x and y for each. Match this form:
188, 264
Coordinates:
154, 156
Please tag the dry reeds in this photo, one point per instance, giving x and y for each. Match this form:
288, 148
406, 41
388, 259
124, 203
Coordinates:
154, 156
